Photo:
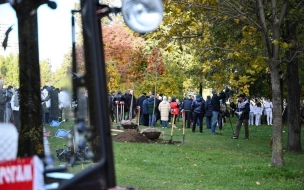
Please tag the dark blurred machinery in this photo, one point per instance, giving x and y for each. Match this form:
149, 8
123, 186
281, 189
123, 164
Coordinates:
96, 132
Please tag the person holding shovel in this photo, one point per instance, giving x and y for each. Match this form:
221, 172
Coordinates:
198, 109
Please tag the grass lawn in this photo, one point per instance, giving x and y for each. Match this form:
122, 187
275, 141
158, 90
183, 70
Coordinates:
205, 161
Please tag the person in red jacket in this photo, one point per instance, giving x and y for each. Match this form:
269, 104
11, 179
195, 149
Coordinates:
174, 109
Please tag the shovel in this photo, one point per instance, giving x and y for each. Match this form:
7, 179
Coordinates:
171, 140
138, 115
117, 121
184, 122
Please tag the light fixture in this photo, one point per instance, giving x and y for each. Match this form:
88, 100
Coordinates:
142, 16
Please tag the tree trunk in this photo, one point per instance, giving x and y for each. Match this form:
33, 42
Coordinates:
31, 134
200, 89
293, 108
293, 88
277, 147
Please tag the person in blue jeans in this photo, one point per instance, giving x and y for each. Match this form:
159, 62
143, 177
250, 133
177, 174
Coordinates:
208, 108
215, 102
198, 109
152, 111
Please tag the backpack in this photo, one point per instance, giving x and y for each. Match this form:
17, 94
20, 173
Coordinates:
224, 111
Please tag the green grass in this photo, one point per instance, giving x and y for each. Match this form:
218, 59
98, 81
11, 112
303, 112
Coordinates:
205, 161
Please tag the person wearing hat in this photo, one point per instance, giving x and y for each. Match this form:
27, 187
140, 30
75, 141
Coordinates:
198, 111
216, 106
242, 112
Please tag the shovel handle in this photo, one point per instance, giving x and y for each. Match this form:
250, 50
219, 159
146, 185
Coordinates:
138, 115
184, 121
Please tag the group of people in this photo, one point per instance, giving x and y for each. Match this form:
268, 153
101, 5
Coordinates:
153, 108
258, 113
54, 103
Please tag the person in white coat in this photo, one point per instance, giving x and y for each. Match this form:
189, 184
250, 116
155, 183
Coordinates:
258, 110
251, 114
164, 109
15, 108
268, 108
64, 104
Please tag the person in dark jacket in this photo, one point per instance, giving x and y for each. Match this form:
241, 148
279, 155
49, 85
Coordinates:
8, 111
116, 103
127, 100
215, 101
111, 107
2, 102
152, 111
186, 107
145, 112
198, 109
54, 114
242, 111
139, 103
208, 108
132, 108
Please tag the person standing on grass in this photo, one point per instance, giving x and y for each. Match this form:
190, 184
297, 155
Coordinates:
186, 107
268, 108
208, 108
215, 102
8, 112
198, 109
139, 103
174, 110
152, 111
164, 109
251, 114
258, 111
145, 111
242, 112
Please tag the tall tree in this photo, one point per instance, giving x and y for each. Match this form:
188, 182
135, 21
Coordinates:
264, 16
293, 50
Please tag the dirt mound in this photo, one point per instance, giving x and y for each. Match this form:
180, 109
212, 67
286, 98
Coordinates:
131, 135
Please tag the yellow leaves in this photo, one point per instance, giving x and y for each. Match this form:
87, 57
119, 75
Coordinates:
233, 54
236, 20
195, 165
283, 45
276, 42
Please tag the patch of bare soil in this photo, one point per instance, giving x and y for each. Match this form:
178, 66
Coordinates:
131, 135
